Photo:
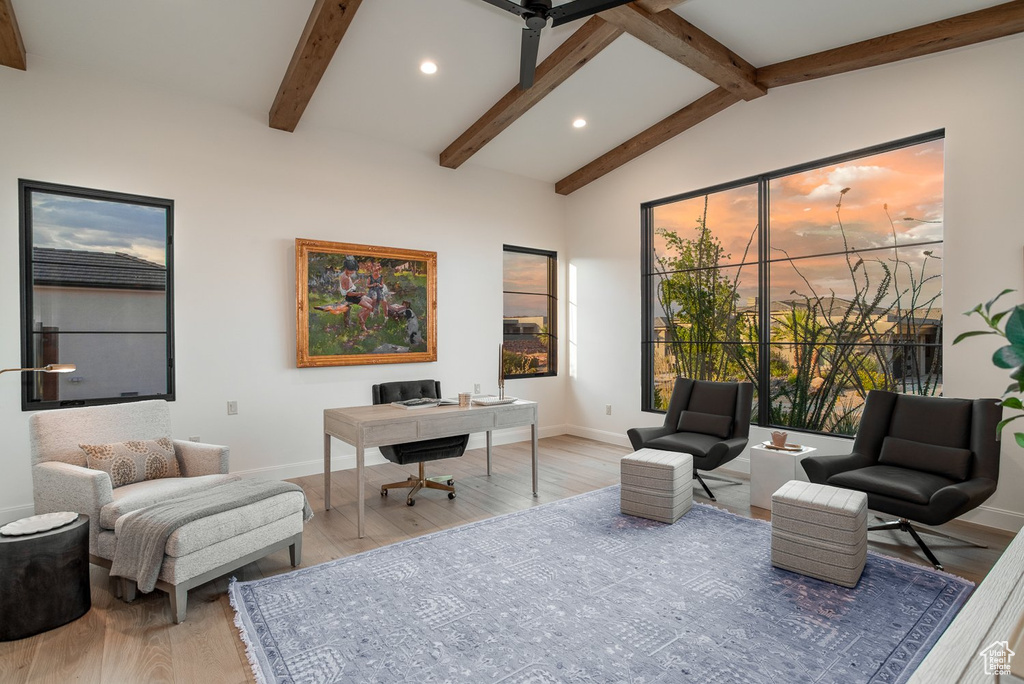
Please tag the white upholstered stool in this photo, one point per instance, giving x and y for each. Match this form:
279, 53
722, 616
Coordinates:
656, 484
820, 531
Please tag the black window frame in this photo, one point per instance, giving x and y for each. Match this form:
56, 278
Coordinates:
25, 244
648, 274
552, 295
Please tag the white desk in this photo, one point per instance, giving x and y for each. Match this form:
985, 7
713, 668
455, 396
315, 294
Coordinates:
770, 469
384, 424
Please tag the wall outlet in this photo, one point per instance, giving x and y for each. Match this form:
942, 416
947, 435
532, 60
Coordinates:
607, 409
232, 408
194, 438
476, 388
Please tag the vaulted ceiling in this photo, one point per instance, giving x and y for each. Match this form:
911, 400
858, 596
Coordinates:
639, 74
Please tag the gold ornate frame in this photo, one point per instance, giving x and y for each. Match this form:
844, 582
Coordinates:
332, 325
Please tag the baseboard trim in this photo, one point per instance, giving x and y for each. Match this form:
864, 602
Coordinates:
999, 518
12, 513
347, 461
619, 439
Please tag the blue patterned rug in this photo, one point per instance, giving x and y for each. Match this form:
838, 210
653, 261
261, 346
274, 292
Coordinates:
573, 591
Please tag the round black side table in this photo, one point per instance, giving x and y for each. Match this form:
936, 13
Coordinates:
44, 579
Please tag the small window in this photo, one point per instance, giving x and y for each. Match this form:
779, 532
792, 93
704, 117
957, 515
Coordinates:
529, 326
96, 282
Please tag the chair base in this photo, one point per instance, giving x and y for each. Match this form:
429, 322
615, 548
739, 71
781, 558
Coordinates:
443, 482
703, 484
905, 525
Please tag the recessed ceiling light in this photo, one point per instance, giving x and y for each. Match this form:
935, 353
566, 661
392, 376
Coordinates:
579, 123
428, 67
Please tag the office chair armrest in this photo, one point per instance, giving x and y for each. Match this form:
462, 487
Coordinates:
820, 468
639, 436
963, 496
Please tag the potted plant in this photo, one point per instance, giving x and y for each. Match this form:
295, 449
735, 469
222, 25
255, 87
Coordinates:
1008, 324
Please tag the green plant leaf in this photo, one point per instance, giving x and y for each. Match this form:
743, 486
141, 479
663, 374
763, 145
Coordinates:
973, 333
989, 303
1005, 422
1014, 403
1019, 436
1015, 326
1010, 356
1014, 387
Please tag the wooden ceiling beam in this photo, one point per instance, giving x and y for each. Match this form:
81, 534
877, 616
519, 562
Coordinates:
595, 35
669, 33
12, 49
326, 26
966, 29
666, 129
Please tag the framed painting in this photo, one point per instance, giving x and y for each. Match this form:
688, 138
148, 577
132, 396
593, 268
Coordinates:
358, 304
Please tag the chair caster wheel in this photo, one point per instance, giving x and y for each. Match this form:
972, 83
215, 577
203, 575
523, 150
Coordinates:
410, 502
451, 482
451, 495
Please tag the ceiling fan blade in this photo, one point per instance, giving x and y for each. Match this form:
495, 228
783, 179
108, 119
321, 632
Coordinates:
509, 6
528, 57
578, 9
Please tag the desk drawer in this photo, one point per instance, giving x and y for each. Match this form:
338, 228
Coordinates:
456, 424
394, 433
515, 416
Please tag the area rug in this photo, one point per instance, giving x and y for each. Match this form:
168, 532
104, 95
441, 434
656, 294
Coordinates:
573, 591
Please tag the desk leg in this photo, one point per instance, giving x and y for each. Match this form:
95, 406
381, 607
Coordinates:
533, 438
488, 453
361, 488
327, 472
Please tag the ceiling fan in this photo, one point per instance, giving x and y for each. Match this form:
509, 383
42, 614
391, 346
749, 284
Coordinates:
536, 13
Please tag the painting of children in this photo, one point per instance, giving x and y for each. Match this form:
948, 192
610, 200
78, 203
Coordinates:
358, 304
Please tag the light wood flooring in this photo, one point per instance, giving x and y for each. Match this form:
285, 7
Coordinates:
127, 643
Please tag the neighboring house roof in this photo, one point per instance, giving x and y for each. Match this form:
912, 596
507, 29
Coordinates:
79, 268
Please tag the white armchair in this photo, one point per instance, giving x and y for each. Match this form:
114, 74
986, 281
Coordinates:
62, 482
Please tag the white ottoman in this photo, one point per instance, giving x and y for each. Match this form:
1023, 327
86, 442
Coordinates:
820, 531
657, 485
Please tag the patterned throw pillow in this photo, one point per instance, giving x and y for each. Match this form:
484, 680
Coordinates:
135, 461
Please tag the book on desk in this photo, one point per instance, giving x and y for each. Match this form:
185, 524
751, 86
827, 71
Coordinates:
424, 402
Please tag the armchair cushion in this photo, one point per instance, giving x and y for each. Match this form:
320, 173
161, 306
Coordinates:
705, 423
141, 494
692, 443
714, 397
945, 461
196, 458
133, 461
897, 483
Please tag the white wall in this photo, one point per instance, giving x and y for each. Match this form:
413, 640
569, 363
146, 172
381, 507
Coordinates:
975, 93
243, 192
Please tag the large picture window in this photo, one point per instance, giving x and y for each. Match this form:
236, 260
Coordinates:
96, 292
816, 283
529, 330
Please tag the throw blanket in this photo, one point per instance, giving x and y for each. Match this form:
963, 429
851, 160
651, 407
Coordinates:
143, 535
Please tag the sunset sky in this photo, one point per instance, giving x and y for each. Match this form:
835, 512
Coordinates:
804, 221
525, 273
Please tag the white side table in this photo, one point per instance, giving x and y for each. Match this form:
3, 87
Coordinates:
770, 469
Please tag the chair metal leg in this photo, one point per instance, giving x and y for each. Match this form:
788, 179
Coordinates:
179, 602
295, 552
702, 484
904, 525
415, 484
726, 480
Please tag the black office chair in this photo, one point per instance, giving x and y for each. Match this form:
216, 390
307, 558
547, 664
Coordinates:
709, 420
423, 451
928, 459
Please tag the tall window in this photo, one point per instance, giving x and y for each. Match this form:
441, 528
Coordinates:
816, 283
529, 325
96, 292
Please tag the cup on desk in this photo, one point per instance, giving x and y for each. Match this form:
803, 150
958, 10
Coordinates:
465, 399
779, 439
